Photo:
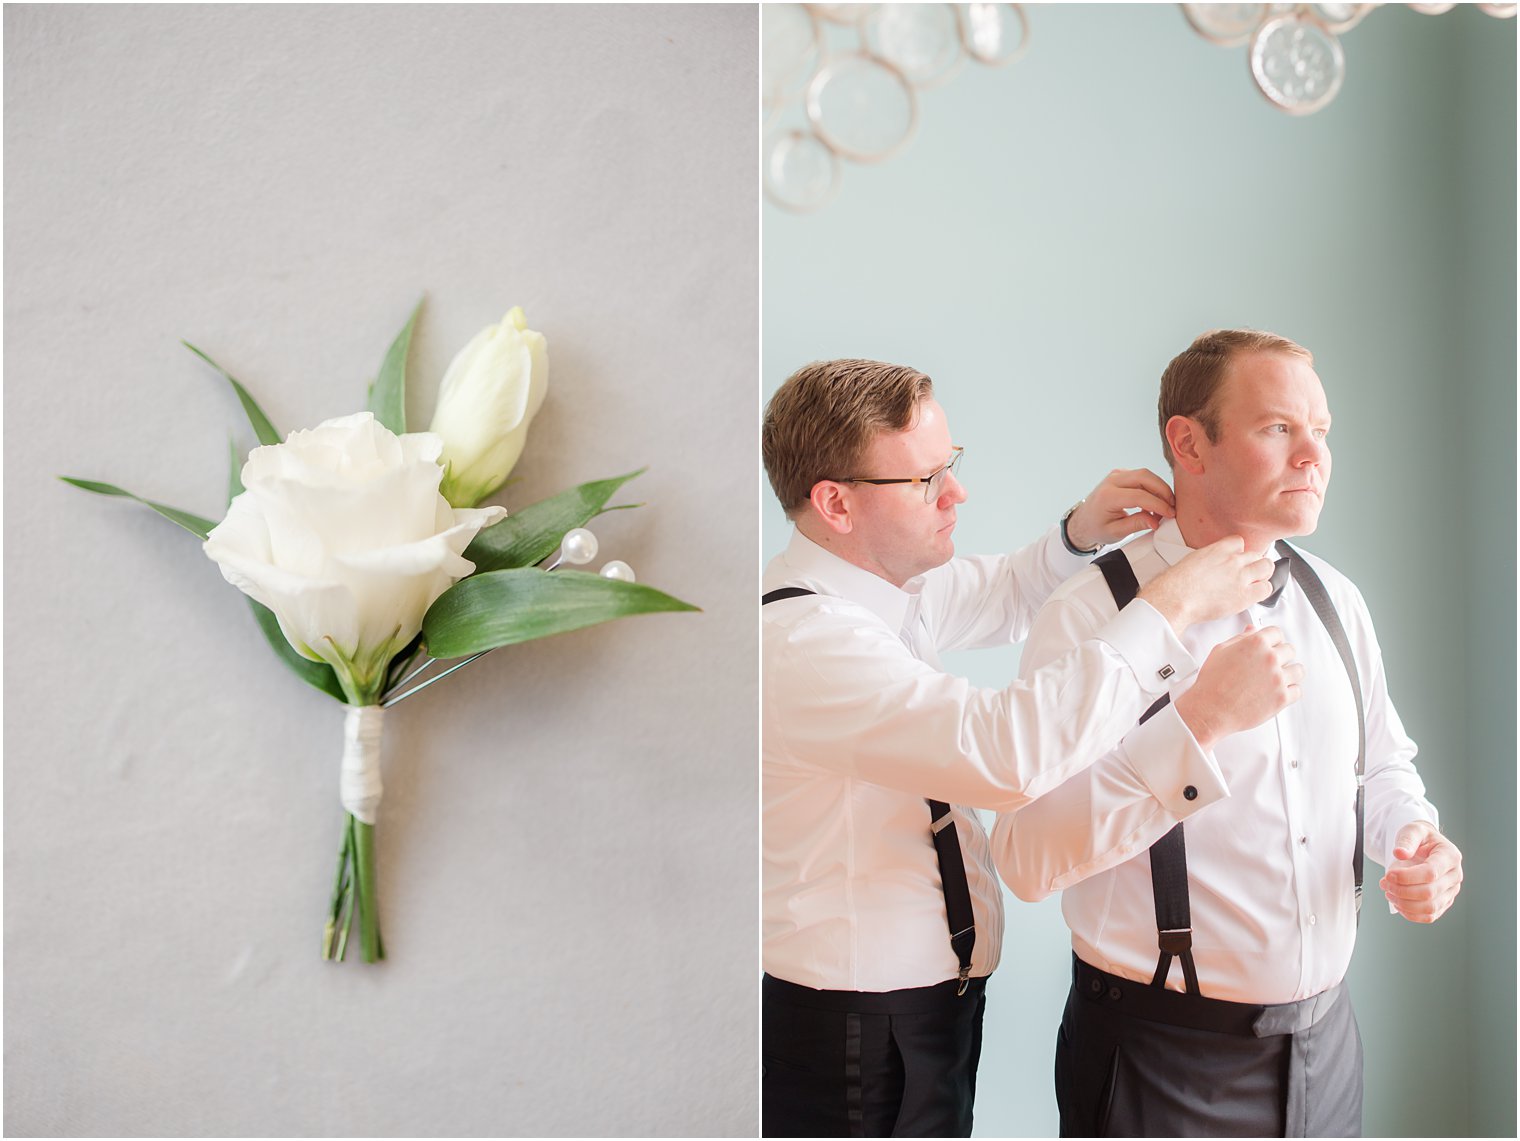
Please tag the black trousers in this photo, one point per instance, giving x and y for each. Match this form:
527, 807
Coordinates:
1120, 1074
853, 1064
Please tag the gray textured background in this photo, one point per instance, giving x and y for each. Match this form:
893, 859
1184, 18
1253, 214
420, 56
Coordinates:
567, 845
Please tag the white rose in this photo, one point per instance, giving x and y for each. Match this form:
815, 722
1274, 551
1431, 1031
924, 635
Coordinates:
492, 390
342, 532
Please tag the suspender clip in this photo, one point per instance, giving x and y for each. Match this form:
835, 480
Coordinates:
965, 976
1175, 941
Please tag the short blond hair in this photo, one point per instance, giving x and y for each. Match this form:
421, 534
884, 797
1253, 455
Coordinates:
1190, 384
824, 416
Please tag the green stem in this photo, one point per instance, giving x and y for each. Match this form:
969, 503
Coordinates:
341, 892
401, 663
364, 874
347, 924
354, 887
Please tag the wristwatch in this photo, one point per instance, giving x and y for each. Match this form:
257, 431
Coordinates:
1066, 536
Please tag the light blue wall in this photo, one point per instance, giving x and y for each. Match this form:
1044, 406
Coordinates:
1487, 290
1054, 234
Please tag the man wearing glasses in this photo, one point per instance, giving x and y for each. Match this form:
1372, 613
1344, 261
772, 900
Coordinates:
882, 914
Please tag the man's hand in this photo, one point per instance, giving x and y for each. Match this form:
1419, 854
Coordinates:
1212, 582
1243, 682
1425, 875
1104, 516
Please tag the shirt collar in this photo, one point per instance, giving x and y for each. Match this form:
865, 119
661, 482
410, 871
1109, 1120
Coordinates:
1169, 543
1171, 546
809, 562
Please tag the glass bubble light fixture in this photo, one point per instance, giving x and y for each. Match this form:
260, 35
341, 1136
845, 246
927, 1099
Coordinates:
841, 83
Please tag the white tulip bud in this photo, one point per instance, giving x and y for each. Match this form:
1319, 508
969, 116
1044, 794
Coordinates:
490, 393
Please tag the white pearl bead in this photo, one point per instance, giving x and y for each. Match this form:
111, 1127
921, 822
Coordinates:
577, 547
619, 570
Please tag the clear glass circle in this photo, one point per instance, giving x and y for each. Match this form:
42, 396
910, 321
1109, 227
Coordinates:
922, 41
862, 108
1340, 18
800, 173
1297, 64
1228, 25
790, 50
994, 33
850, 14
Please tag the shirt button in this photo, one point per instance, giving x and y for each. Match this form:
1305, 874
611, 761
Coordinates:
1303, 839
1190, 793
1312, 921
1293, 764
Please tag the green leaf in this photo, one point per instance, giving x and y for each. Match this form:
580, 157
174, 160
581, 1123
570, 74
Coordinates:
387, 396
318, 674
196, 525
502, 608
235, 473
262, 428
531, 535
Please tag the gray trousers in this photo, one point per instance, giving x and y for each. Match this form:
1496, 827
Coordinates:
1120, 1075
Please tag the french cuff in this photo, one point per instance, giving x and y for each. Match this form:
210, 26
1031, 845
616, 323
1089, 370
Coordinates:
1165, 756
1147, 642
1398, 817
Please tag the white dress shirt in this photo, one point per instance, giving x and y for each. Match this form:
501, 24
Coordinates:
1271, 823
859, 724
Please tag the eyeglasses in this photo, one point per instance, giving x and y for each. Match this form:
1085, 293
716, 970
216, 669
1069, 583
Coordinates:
933, 484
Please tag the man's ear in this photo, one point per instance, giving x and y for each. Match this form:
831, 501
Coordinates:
1186, 437
832, 506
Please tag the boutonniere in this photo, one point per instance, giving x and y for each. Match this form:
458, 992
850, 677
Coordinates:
373, 572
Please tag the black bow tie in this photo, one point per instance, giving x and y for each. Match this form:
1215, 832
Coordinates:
1280, 573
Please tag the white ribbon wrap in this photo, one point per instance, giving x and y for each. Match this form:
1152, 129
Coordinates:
359, 780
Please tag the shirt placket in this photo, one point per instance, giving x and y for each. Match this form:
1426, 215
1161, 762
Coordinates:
1293, 772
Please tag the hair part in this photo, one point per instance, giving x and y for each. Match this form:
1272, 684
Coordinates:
1190, 385
823, 418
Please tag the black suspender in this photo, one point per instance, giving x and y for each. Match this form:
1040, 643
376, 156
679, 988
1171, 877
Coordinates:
1174, 928
947, 850
1169, 886
952, 879
1319, 598
784, 592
